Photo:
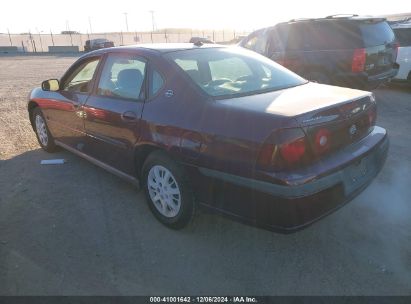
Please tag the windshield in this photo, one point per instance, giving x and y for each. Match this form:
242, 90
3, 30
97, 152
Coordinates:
231, 72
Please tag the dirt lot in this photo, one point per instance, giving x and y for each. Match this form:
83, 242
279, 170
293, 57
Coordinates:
75, 229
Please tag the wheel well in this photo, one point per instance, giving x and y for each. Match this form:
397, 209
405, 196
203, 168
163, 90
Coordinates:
140, 155
32, 105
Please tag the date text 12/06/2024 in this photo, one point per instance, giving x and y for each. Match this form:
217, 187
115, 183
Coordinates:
203, 299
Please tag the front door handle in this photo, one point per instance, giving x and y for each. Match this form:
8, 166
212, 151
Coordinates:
129, 116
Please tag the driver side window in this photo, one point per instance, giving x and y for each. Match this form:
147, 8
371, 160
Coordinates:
80, 81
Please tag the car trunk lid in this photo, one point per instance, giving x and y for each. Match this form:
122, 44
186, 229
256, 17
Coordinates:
334, 126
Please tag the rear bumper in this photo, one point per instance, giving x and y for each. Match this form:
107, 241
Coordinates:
303, 196
363, 80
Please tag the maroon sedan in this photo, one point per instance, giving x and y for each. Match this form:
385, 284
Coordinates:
217, 126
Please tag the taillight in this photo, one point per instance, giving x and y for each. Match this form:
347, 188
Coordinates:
266, 156
284, 148
322, 141
293, 152
396, 46
372, 117
372, 112
358, 60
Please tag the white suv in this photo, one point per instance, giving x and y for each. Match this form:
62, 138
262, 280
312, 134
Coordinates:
403, 34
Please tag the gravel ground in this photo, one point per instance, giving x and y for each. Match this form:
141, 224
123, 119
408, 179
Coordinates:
75, 229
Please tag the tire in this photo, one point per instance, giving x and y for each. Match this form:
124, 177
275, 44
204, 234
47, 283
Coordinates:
317, 76
43, 134
168, 193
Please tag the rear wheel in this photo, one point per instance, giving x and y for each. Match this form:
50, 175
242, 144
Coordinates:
168, 193
44, 137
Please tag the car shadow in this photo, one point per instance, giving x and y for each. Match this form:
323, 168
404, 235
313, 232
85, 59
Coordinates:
75, 229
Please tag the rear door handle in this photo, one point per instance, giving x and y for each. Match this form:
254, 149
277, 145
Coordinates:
129, 116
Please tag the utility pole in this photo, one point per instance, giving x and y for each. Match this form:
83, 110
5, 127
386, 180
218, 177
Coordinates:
153, 22
69, 31
41, 43
125, 15
52, 38
89, 23
11, 43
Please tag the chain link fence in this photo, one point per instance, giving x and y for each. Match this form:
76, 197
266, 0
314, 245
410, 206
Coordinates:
40, 42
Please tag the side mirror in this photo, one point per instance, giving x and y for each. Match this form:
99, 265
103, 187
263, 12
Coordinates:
50, 85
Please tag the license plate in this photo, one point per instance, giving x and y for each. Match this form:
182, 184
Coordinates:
383, 60
358, 171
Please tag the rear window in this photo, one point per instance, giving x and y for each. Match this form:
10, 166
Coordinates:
403, 36
376, 33
231, 72
324, 35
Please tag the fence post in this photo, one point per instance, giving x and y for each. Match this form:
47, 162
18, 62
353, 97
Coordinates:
22, 45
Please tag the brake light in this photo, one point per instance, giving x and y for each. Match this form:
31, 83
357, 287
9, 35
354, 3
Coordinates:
372, 117
282, 149
292, 152
358, 60
266, 157
322, 141
396, 46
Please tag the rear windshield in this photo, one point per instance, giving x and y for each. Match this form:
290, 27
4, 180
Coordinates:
324, 35
232, 72
403, 36
376, 33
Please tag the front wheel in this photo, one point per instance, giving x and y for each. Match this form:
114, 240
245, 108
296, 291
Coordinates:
43, 134
168, 193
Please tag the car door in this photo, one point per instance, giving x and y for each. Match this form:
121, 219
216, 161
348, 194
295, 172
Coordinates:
64, 110
275, 45
112, 114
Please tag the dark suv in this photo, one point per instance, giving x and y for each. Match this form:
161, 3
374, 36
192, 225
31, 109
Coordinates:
353, 51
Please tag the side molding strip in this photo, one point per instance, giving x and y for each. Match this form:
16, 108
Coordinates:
100, 164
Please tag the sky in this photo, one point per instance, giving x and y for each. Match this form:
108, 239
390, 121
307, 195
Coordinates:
19, 16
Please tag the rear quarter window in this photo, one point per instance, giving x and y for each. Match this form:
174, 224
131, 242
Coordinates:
403, 36
376, 33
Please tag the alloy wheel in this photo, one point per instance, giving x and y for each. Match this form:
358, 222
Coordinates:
164, 191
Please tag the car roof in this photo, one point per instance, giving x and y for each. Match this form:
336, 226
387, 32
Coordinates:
328, 18
339, 17
156, 48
